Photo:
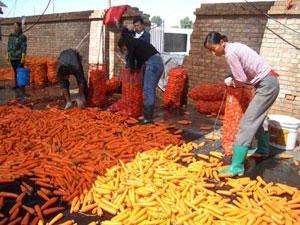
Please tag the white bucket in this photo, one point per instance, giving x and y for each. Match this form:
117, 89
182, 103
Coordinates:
283, 131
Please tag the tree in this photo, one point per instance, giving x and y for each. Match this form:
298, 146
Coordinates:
157, 20
186, 23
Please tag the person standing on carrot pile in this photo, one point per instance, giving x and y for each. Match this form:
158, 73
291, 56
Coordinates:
142, 55
16, 49
69, 62
248, 68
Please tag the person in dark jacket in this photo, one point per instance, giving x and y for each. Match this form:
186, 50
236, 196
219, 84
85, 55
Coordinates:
140, 32
16, 49
142, 55
69, 63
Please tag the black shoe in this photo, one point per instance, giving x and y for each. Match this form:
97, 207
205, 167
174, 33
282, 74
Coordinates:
148, 115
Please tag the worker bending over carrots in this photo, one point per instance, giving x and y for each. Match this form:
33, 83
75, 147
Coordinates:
142, 55
69, 62
248, 68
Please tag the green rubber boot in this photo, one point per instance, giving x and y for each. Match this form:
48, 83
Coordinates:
262, 146
238, 160
148, 115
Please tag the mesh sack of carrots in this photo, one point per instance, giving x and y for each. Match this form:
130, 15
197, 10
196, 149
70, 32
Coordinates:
112, 85
132, 94
175, 86
207, 92
97, 85
237, 102
208, 107
51, 71
7, 74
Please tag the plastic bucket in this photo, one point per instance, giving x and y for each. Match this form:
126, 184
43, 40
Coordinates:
283, 131
23, 77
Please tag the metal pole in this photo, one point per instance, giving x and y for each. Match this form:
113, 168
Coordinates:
108, 3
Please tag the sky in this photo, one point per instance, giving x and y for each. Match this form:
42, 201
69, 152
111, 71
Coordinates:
170, 10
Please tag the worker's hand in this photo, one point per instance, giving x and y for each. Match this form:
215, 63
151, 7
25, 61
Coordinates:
68, 105
228, 81
23, 58
80, 101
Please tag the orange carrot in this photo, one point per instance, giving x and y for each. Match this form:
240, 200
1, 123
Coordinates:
35, 221
39, 212
50, 211
20, 197
14, 208
296, 163
50, 202
16, 221
4, 221
25, 220
46, 191
14, 214
28, 209
28, 187
8, 194
42, 195
1, 202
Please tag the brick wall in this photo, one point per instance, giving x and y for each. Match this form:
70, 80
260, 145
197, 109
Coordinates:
242, 23
56, 32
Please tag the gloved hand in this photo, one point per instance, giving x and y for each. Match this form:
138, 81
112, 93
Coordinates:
23, 58
228, 81
68, 105
80, 100
7, 56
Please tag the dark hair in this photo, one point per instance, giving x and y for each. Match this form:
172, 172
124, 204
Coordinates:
20, 26
214, 37
125, 40
138, 19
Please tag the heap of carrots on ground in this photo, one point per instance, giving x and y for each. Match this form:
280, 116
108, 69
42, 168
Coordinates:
154, 189
66, 150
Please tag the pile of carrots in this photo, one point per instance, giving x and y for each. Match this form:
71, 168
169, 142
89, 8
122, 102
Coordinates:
208, 97
237, 102
97, 86
154, 189
67, 150
23, 211
38, 69
132, 94
175, 87
7, 74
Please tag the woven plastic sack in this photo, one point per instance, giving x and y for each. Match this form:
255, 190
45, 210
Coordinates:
207, 92
40, 72
208, 107
51, 71
237, 102
97, 85
112, 85
132, 92
7, 74
175, 87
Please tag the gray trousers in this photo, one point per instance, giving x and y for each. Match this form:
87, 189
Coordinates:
251, 124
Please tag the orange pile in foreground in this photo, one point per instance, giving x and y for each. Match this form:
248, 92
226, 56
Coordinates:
66, 150
154, 189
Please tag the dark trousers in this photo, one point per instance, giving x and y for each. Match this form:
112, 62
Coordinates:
15, 65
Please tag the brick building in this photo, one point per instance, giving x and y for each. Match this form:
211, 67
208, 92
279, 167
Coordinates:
242, 22
55, 32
